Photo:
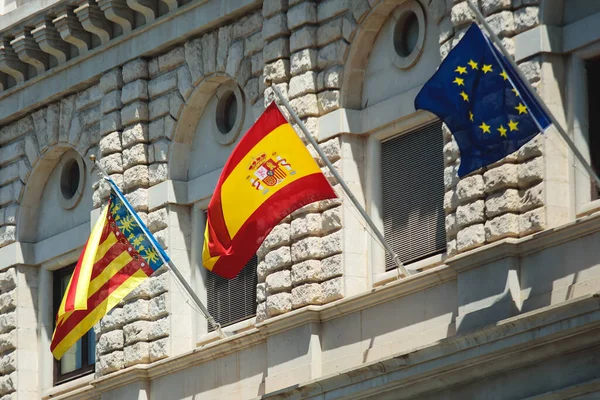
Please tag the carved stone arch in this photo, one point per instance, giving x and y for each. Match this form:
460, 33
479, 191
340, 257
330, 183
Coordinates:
184, 130
29, 210
358, 55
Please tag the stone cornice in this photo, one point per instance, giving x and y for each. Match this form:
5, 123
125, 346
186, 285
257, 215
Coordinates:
77, 22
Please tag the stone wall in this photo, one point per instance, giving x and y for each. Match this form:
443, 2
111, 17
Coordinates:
505, 199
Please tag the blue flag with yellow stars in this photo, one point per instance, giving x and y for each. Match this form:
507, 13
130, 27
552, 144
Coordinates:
481, 99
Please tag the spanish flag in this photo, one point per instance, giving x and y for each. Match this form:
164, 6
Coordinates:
119, 254
269, 174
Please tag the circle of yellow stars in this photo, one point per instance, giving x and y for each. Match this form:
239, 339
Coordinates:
487, 68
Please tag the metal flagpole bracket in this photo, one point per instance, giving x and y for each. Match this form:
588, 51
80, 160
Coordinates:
188, 289
337, 176
559, 128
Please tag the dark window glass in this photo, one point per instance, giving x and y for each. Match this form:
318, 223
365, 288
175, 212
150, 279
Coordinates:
412, 168
593, 88
79, 360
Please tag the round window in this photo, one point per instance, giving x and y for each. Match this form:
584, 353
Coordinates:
227, 109
229, 112
72, 178
406, 34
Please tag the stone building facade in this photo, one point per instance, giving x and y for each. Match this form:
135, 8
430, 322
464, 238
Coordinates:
506, 307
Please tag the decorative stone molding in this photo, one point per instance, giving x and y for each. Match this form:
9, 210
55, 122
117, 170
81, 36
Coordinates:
29, 51
48, 38
92, 19
10, 63
71, 31
117, 12
148, 8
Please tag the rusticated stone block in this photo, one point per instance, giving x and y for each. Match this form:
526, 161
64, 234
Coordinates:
277, 71
274, 261
303, 84
171, 59
136, 176
302, 14
306, 106
451, 176
110, 341
111, 362
135, 155
533, 221
278, 282
470, 237
333, 289
504, 176
531, 172
8, 341
450, 201
8, 280
332, 54
136, 69
304, 295
261, 312
8, 301
303, 39
471, 213
134, 113
134, 134
8, 363
261, 292
159, 349
279, 303
451, 225
162, 84
310, 224
111, 80
506, 225
139, 353
532, 197
502, 202
302, 61
470, 188
329, 100
275, 26
8, 322
279, 236
115, 319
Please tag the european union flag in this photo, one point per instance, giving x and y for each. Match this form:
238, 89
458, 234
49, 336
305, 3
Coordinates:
479, 96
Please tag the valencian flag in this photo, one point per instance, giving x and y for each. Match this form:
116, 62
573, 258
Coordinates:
269, 174
481, 99
119, 254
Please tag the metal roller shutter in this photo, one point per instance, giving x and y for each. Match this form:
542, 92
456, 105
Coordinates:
232, 300
413, 194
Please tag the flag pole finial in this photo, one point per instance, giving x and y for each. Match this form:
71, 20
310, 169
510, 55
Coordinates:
268, 82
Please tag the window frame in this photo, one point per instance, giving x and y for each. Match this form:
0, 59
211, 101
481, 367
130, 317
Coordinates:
87, 368
377, 262
578, 128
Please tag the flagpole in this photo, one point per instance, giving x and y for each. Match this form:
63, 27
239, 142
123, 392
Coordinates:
337, 176
534, 93
172, 266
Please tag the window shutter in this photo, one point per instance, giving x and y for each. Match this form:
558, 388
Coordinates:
412, 168
232, 300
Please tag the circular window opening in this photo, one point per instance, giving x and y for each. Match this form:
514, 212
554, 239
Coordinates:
227, 110
69, 179
406, 34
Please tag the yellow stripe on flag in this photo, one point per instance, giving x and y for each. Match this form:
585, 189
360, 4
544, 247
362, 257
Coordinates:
87, 265
105, 246
97, 313
109, 271
286, 143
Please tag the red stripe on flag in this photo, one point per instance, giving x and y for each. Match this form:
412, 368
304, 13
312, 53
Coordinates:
96, 299
270, 120
248, 239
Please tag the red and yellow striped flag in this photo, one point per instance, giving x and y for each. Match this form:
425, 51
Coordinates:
119, 254
269, 174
